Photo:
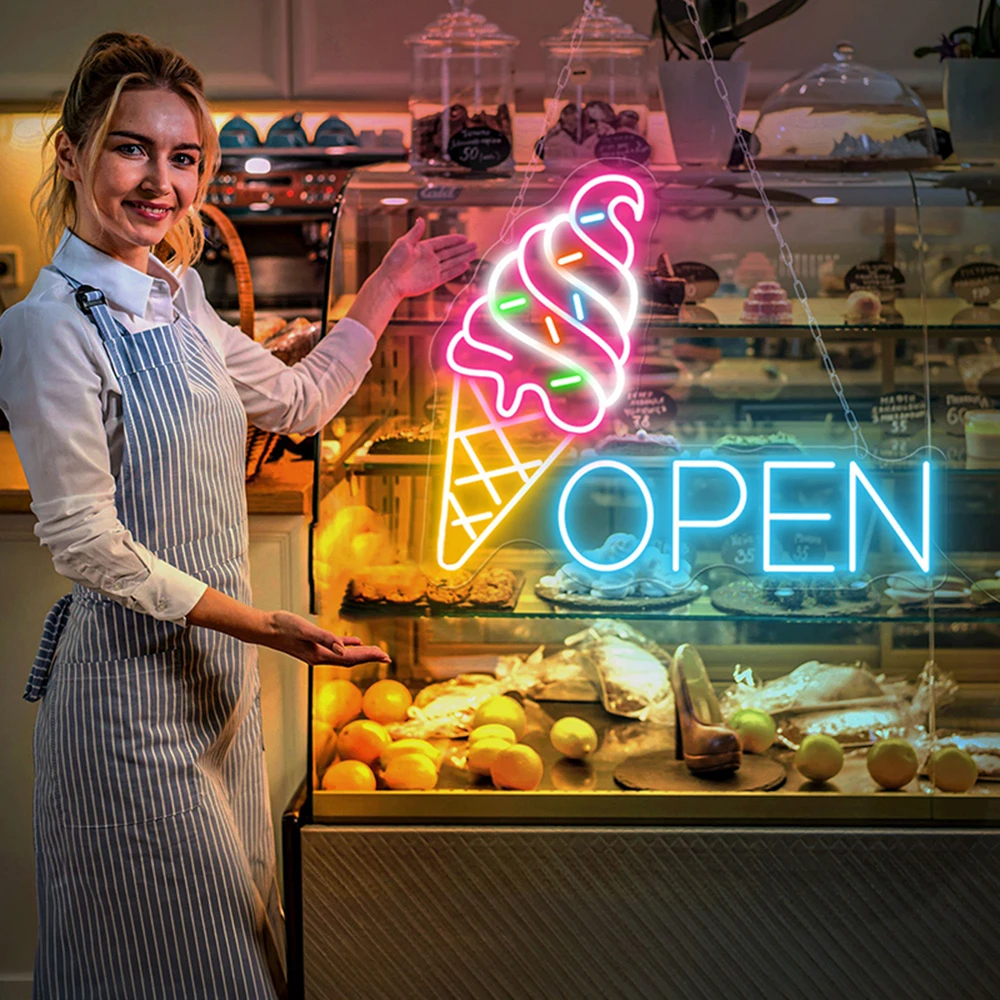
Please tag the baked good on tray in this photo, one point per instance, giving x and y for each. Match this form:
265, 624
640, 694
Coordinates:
449, 589
403, 584
406, 441
754, 444
640, 443
649, 580
494, 586
807, 595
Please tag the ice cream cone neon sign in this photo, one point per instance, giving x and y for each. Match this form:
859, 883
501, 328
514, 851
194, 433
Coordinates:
546, 347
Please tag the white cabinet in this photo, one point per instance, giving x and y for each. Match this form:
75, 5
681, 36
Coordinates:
240, 46
29, 586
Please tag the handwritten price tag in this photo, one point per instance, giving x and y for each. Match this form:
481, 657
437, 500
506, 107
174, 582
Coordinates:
740, 550
807, 548
956, 403
900, 414
648, 409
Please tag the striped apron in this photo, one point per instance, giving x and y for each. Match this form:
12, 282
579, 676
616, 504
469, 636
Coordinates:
154, 848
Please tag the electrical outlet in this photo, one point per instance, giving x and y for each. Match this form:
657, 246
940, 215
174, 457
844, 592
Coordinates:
11, 272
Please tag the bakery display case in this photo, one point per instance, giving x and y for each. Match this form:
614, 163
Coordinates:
683, 543
740, 520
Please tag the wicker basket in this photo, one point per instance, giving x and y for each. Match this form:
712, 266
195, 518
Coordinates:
260, 444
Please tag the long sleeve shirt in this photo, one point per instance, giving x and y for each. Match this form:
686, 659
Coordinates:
64, 405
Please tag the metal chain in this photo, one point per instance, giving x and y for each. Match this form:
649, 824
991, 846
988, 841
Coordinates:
517, 205
860, 445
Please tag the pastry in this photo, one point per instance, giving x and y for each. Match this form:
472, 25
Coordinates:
449, 590
266, 325
863, 307
493, 586
294, 340
406, 441
640, 443
740, 444
395, 584
649, 576
767, 304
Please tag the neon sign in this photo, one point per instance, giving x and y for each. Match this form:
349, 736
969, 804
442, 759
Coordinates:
680, 521
546, 347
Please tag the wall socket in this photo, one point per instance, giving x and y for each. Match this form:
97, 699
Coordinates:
11, 267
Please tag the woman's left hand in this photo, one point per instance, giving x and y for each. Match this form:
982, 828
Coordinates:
414, 266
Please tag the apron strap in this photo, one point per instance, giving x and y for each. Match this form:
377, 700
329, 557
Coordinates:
87, 297
55, 622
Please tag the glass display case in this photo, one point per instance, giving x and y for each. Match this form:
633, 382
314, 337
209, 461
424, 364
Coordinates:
703, 559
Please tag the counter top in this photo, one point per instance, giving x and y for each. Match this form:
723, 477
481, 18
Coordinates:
283, 487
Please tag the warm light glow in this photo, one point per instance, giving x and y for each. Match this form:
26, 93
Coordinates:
611, 464
770, 516
825, 199
394, 201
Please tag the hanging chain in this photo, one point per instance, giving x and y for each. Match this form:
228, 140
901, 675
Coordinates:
517, 205
860, 445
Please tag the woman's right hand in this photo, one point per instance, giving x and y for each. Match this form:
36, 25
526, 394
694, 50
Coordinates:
300, 638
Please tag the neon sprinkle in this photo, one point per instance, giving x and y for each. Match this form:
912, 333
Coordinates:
570, 257
558, 383
578, 306
514, 303
593, 217
553, 332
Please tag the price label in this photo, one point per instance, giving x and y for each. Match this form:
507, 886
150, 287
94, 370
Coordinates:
955, 405
885, 280
439, 192
807, 548
478, 147
740, 550
978, 283
701, 281
900, 414
648, 409
619, 146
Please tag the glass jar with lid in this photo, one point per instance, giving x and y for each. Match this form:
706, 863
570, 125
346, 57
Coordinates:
462, 94
604, 108
844, 115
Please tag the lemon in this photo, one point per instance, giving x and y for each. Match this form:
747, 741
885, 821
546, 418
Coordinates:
892, 763
349, 776
492, 731
573, 737
517, 767
484, 752
409, 746
410, 772
952, 770
503, 711
756, 729
819, 758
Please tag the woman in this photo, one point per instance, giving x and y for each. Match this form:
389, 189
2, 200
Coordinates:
128, 401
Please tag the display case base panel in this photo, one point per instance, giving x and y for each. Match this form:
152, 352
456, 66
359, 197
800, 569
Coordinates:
560, 913
661, 772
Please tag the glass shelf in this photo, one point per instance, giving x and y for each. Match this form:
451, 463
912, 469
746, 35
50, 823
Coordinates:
529, 605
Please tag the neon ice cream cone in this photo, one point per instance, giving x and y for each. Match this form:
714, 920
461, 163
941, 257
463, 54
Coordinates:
538, 360
490, 464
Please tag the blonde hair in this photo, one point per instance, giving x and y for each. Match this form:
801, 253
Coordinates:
114, 63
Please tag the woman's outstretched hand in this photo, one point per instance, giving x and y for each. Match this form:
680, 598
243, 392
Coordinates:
298, 637
414, 266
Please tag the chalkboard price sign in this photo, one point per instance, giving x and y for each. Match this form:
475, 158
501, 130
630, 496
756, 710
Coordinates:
478, 147
900, 414
619, 146
807, 548
956, 403
740, 550
647, 408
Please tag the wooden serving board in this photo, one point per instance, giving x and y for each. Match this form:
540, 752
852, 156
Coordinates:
743, 597
585, 602
660, 772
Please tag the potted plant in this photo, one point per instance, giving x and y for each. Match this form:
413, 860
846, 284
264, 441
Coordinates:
971, 57
696, 116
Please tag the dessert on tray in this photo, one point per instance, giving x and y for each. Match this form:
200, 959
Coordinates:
864, 308
408, 585
791, 596
755, 444
414, 440
647, 582
640, 443
401, 584
767, 304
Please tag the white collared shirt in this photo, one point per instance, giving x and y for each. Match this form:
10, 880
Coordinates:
63, 401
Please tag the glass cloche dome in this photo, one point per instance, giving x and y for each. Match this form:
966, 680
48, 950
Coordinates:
845, 115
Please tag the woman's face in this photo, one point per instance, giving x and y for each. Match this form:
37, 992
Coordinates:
144, 178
